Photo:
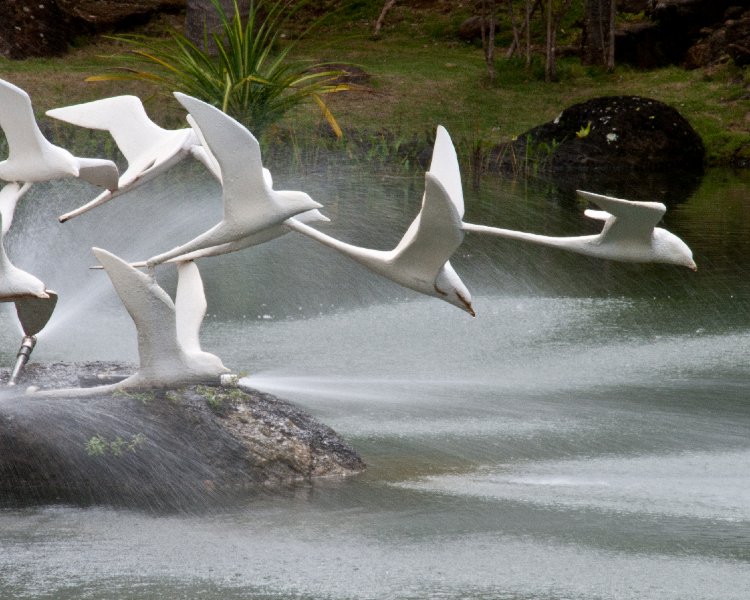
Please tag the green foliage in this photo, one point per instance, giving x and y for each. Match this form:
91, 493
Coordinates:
219, 397
213, 396
584, 131
251, 77
98, 445
142, 397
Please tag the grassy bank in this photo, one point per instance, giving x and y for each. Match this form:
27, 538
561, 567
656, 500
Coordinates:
421, 76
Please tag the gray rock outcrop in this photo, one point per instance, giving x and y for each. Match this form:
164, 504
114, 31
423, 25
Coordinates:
166, 449
593, 144
614, 132
694, 33
46, 27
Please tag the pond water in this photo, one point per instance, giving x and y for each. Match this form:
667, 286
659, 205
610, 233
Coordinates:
587, 436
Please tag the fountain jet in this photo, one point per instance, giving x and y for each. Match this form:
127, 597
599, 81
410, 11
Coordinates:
34, 314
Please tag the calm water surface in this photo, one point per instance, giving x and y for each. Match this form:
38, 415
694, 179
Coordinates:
587, 436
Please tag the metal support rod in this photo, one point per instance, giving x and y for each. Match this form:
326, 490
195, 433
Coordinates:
27, 345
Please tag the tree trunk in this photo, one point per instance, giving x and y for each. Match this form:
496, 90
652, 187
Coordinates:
550, 63
379, 23
516, 31
529, 12
611, 37
530, 9
599, 33
490, 53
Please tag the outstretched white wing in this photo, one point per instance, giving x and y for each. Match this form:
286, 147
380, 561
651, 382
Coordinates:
146, 146
444, 167
246, 195
202, 152
434, 234
9, 197
123, 116
150, 307
190, 306
629, 220
18, 122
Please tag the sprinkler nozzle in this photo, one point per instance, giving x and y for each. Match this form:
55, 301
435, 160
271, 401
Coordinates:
27, 345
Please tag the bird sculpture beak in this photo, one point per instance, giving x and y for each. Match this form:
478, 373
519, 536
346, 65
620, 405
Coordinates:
467, 305
693, 267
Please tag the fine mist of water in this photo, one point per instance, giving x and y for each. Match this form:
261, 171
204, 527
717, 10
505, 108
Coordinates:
586, 436
89, 322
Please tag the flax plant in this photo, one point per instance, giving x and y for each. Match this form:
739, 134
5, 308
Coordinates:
250, 77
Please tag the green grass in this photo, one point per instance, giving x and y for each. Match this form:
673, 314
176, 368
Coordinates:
421, 77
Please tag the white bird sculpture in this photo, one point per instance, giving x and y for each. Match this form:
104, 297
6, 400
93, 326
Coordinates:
250, 203
168, 344
629, 234
32, 158
15, 283
254, 239
420, 260
148, 148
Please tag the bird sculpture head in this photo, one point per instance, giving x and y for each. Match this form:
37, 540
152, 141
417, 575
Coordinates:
672, 250
450, 288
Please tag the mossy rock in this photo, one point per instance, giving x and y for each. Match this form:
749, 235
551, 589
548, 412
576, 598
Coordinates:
163, 448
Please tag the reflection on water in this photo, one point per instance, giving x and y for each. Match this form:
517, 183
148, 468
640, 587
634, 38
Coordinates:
585, 437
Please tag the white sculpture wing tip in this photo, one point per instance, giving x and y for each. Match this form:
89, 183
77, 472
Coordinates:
599, 215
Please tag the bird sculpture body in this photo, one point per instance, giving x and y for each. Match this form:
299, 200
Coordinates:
629, 234
420, 260
168, 344
148, 148
250, 203
32, 158
15, 283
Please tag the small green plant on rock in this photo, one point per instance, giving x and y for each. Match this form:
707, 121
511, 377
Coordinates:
213, 396
142, 397
219, 398
584, 131
98, 445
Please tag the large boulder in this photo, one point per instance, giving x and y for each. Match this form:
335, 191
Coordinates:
165, 449
31, 29
730, 38
45, 28
737, 35
615, 132
695, 33
106, 13
604, 139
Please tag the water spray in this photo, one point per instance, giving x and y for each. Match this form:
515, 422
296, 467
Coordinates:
33, 313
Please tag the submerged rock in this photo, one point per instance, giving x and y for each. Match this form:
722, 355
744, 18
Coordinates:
162, 448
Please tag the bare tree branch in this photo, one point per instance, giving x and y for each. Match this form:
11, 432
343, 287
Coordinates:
379, 23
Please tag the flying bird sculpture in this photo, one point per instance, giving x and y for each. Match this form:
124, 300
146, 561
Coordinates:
168, 342
253, 239
250, 203
420, 260
629, 234
32, 158
148, 148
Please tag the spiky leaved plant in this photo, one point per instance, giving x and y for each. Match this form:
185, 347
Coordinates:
250, 77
